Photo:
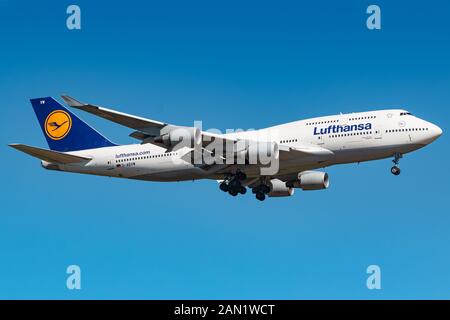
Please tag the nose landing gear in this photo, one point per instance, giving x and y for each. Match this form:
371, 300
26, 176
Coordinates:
395, 170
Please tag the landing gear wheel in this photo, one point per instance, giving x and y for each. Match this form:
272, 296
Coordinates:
260, 196
265, 188
235, 184
260, 191
233, 192
395, 170
224, 187
242, 190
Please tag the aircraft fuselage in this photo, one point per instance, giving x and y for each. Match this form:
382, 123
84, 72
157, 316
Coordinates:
355, 137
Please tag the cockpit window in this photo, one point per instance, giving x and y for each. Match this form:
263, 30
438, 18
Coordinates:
405, 113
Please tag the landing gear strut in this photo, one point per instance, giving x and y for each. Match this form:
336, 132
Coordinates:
233, 185
395, 170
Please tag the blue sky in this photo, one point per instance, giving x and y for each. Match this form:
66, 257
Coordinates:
231, 64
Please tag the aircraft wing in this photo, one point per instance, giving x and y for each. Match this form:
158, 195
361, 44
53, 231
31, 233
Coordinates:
49, 155
146, 126
306, 151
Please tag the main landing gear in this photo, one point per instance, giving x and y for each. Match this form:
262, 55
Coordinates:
395, 170
233, 185
260, 191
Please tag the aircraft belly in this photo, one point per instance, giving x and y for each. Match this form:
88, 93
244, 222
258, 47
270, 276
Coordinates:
172, 175
370, 153
167, 171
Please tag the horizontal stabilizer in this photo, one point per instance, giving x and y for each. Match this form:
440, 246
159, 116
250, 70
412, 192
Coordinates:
48, 155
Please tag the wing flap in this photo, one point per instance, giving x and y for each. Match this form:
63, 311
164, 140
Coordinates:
139, 135
49, 155
305, 151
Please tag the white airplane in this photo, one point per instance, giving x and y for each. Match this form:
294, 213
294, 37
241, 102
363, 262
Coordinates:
272, 161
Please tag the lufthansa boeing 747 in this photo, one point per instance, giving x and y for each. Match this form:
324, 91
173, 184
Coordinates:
271, 162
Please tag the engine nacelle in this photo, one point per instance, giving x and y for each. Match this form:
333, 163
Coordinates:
188, 136
279, 188
311, 180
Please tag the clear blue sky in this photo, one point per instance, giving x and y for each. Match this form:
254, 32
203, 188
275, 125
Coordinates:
232, 65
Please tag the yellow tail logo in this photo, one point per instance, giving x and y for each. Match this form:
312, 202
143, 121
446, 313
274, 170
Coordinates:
58, 124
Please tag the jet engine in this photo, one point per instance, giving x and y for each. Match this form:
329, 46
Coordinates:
189, 136
310, 180
279, 188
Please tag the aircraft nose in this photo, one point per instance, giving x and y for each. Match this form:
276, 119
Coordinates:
437, 131
431, 134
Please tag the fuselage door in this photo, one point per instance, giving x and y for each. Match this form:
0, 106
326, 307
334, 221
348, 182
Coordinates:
110, 164
378, 132
321, 139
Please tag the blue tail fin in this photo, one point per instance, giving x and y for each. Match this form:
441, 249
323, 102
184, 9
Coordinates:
63, 130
